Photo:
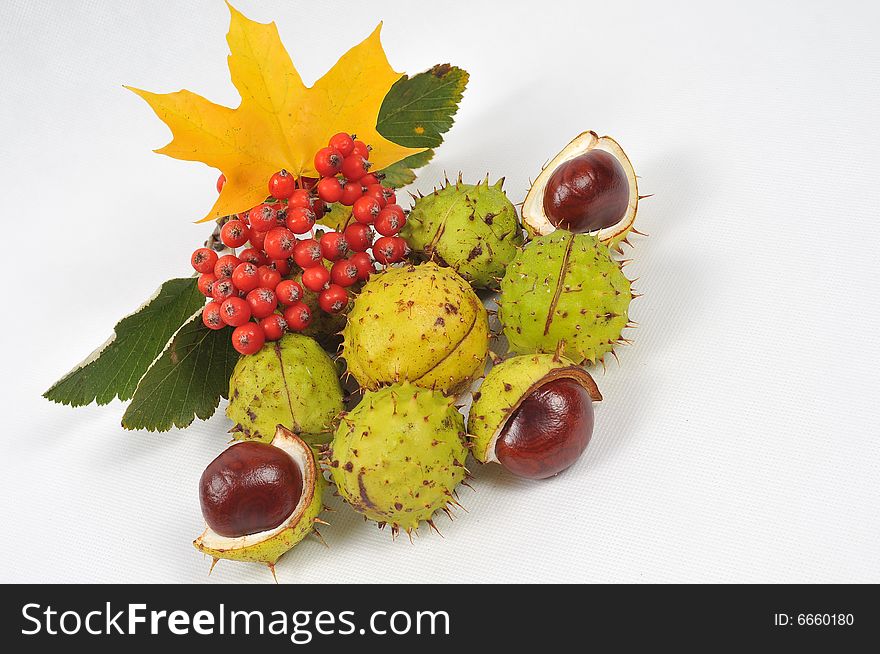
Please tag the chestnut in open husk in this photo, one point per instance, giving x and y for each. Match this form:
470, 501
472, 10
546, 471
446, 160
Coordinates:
549, 430
249, 487
588, 187
260, 499
533, 414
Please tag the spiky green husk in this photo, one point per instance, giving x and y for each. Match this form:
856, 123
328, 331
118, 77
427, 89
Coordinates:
291, 382
473, 229
422, 324
564, 287
504, 389
398, 456
267, 547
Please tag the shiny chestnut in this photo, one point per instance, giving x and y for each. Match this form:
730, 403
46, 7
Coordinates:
548, 431
587, 193
250, 487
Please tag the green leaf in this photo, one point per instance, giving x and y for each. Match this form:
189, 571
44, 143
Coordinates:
416, 112
402, 173
186, 382
115, 368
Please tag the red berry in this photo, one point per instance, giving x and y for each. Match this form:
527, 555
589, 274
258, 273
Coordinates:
308, 183
206, 283
366, 209
316, 279
211, 316
254, 256
298, 316
369, 179
248, 338
377, 192
273, 326
222, 289
307, 253
319, 208
281, 185
257, 239
364, 264
359, 237
343, 143
269, 277
279, 243
334, 246
330, 190
235, 311
282, 266
300, 220
289, 292
234, 234
389, 249
354, 167
221, 181
245, 277
226, 265
390, 222
263, 302
396, 208
328, 162
362, 149
301, 198
350, 193
203, 260
333, 299
263, 217
344, 273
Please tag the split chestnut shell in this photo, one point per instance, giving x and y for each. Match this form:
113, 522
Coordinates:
284, 483
533, 414
590, 186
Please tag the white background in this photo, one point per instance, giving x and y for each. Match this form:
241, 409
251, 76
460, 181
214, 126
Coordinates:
738, 440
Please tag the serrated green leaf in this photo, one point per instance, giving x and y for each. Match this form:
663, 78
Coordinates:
403, 172
186, 382
115, 368
416, 112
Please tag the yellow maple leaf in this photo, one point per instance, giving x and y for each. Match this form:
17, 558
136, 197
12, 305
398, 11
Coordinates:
280, 122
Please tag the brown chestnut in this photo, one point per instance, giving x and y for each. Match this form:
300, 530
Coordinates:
250, 487
548, 431
587, 193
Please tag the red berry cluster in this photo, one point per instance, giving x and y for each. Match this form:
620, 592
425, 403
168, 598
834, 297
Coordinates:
345, 178
250, 292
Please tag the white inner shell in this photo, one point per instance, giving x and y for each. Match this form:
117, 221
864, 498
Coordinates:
295, 451
533, 206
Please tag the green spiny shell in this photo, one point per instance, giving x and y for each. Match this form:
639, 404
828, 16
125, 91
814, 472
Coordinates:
267, 547
504, 389
473, 229
564, 287
291, 382
399, 454
420, 323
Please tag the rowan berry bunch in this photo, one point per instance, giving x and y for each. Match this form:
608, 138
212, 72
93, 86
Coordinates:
344, 166
252, 290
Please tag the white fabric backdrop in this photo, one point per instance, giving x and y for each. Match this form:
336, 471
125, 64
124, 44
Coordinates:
738, 439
